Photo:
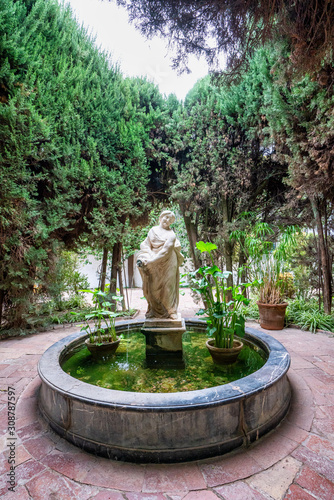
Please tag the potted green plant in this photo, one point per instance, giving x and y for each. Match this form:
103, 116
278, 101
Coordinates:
223, 317
100, 325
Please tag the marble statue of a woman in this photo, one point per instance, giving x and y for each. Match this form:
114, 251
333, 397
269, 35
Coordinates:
158, 261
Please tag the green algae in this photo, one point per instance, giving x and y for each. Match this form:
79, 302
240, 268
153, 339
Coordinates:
126, 370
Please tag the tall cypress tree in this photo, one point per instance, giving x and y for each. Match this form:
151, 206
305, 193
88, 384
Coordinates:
72, 150
222, 170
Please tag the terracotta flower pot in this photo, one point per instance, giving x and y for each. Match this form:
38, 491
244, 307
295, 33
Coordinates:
224, 356
272, 315
102, 350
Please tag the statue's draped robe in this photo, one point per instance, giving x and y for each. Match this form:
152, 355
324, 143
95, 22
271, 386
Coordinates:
161, 281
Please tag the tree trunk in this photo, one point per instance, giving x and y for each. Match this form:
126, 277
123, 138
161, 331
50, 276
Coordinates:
192, 235
228, 250
116, 260
228, 246
104, 269
125, 274
242, 263
116, 263
121, 287
2, 297
131, 261
324, 258
320, 287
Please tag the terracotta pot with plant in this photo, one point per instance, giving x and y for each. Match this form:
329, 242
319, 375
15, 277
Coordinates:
100, 325
274, 289
223, 317
268, 252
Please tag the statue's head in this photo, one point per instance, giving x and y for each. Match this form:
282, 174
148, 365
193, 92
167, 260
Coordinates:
167, 216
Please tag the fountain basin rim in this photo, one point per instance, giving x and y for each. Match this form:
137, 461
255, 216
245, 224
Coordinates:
51, 373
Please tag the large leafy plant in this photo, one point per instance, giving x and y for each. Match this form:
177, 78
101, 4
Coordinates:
223, 316
100, 323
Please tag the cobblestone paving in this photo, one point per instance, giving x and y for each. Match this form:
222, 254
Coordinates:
293, 462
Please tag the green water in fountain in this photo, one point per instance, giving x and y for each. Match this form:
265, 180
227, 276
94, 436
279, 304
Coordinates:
126, 370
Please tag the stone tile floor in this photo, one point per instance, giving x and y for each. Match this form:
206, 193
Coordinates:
293, 462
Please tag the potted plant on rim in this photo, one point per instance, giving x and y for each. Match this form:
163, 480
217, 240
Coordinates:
100, 325
223, 316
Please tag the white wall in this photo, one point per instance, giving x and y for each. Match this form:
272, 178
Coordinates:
92, 270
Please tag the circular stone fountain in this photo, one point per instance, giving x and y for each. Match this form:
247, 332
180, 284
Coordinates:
174, 427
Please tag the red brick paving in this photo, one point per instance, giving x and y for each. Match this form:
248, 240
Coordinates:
111, 495
311, 481
239, 491
297, 493
201, 495
51, 485
49, 467
229, 468
315, 462
321, 446
273, 450
113, 475
145, 496
20, 493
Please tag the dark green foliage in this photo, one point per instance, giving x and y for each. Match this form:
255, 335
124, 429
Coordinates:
238, 27
64, 279
306, 315
260, 150
304, 264
74, 141
251, 311
299, 112
84, 153
222, 168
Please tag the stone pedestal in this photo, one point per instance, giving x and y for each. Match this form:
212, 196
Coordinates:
164, 334
164, 342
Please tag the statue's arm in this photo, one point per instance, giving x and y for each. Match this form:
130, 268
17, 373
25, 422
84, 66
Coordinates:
145, 245
145, 253
168, 247
180, 257
165, 250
